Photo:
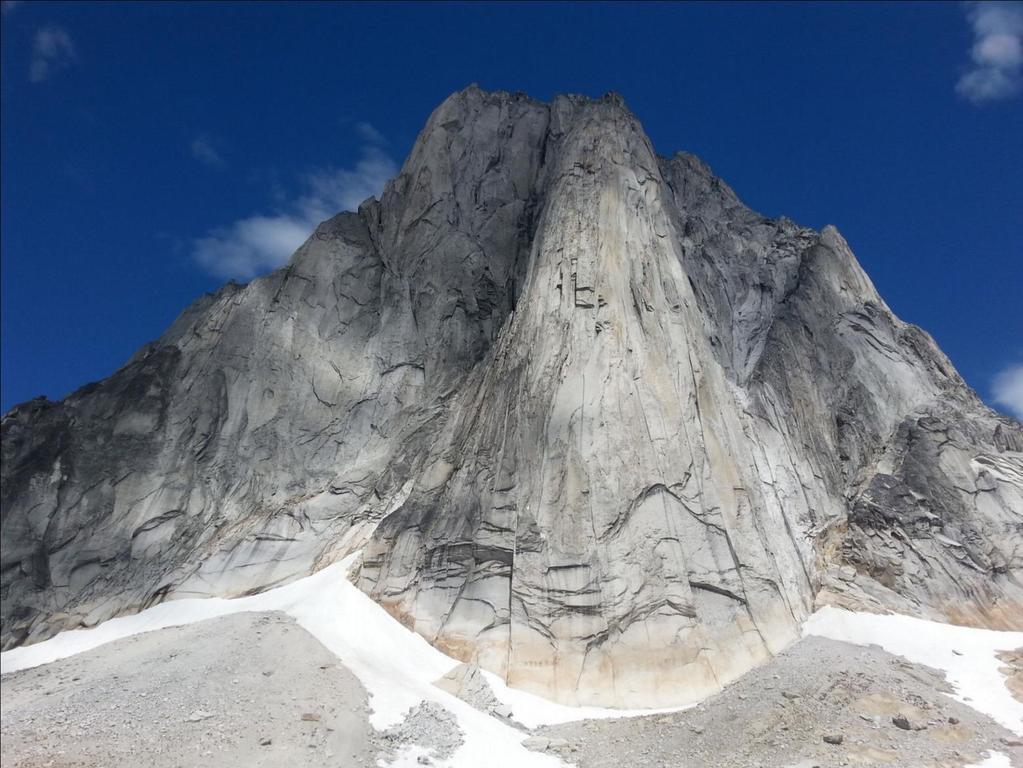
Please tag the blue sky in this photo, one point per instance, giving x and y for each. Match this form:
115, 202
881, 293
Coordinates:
150, 151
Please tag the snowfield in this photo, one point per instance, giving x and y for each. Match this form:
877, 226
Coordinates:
398, 667
994, 760
967, 656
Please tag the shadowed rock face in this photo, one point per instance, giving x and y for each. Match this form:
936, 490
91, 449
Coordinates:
599, 427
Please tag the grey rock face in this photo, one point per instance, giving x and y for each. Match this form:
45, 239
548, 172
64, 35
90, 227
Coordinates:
467, 683
598, 426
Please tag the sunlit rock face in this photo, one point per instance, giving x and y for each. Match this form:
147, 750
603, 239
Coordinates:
596, 425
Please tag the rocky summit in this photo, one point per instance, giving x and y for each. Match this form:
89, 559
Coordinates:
594, 424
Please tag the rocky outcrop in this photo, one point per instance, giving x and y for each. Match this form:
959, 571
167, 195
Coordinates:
598, 426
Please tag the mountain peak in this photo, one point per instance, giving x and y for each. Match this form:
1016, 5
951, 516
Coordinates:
593, 424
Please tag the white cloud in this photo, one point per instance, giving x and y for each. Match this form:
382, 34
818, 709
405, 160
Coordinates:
259, 243
52, 49
997, 53
204, 151
370, 134
1007, 390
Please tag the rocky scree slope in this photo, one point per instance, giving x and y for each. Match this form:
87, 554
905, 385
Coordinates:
597, 425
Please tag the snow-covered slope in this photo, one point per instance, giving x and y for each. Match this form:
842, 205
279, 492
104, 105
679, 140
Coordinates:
397, 666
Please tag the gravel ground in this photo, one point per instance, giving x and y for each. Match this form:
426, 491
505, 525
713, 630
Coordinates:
244, 690
1013, 671
428, 726
779, 715
254, 689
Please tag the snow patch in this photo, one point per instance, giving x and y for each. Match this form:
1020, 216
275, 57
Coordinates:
534, 711
408, 757
396, 666
993, 760
966, 655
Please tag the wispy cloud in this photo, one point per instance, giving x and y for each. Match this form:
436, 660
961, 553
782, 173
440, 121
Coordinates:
259, 243
52, 50
997, 54
9, 5
370, 134
1007, 390
204, 151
